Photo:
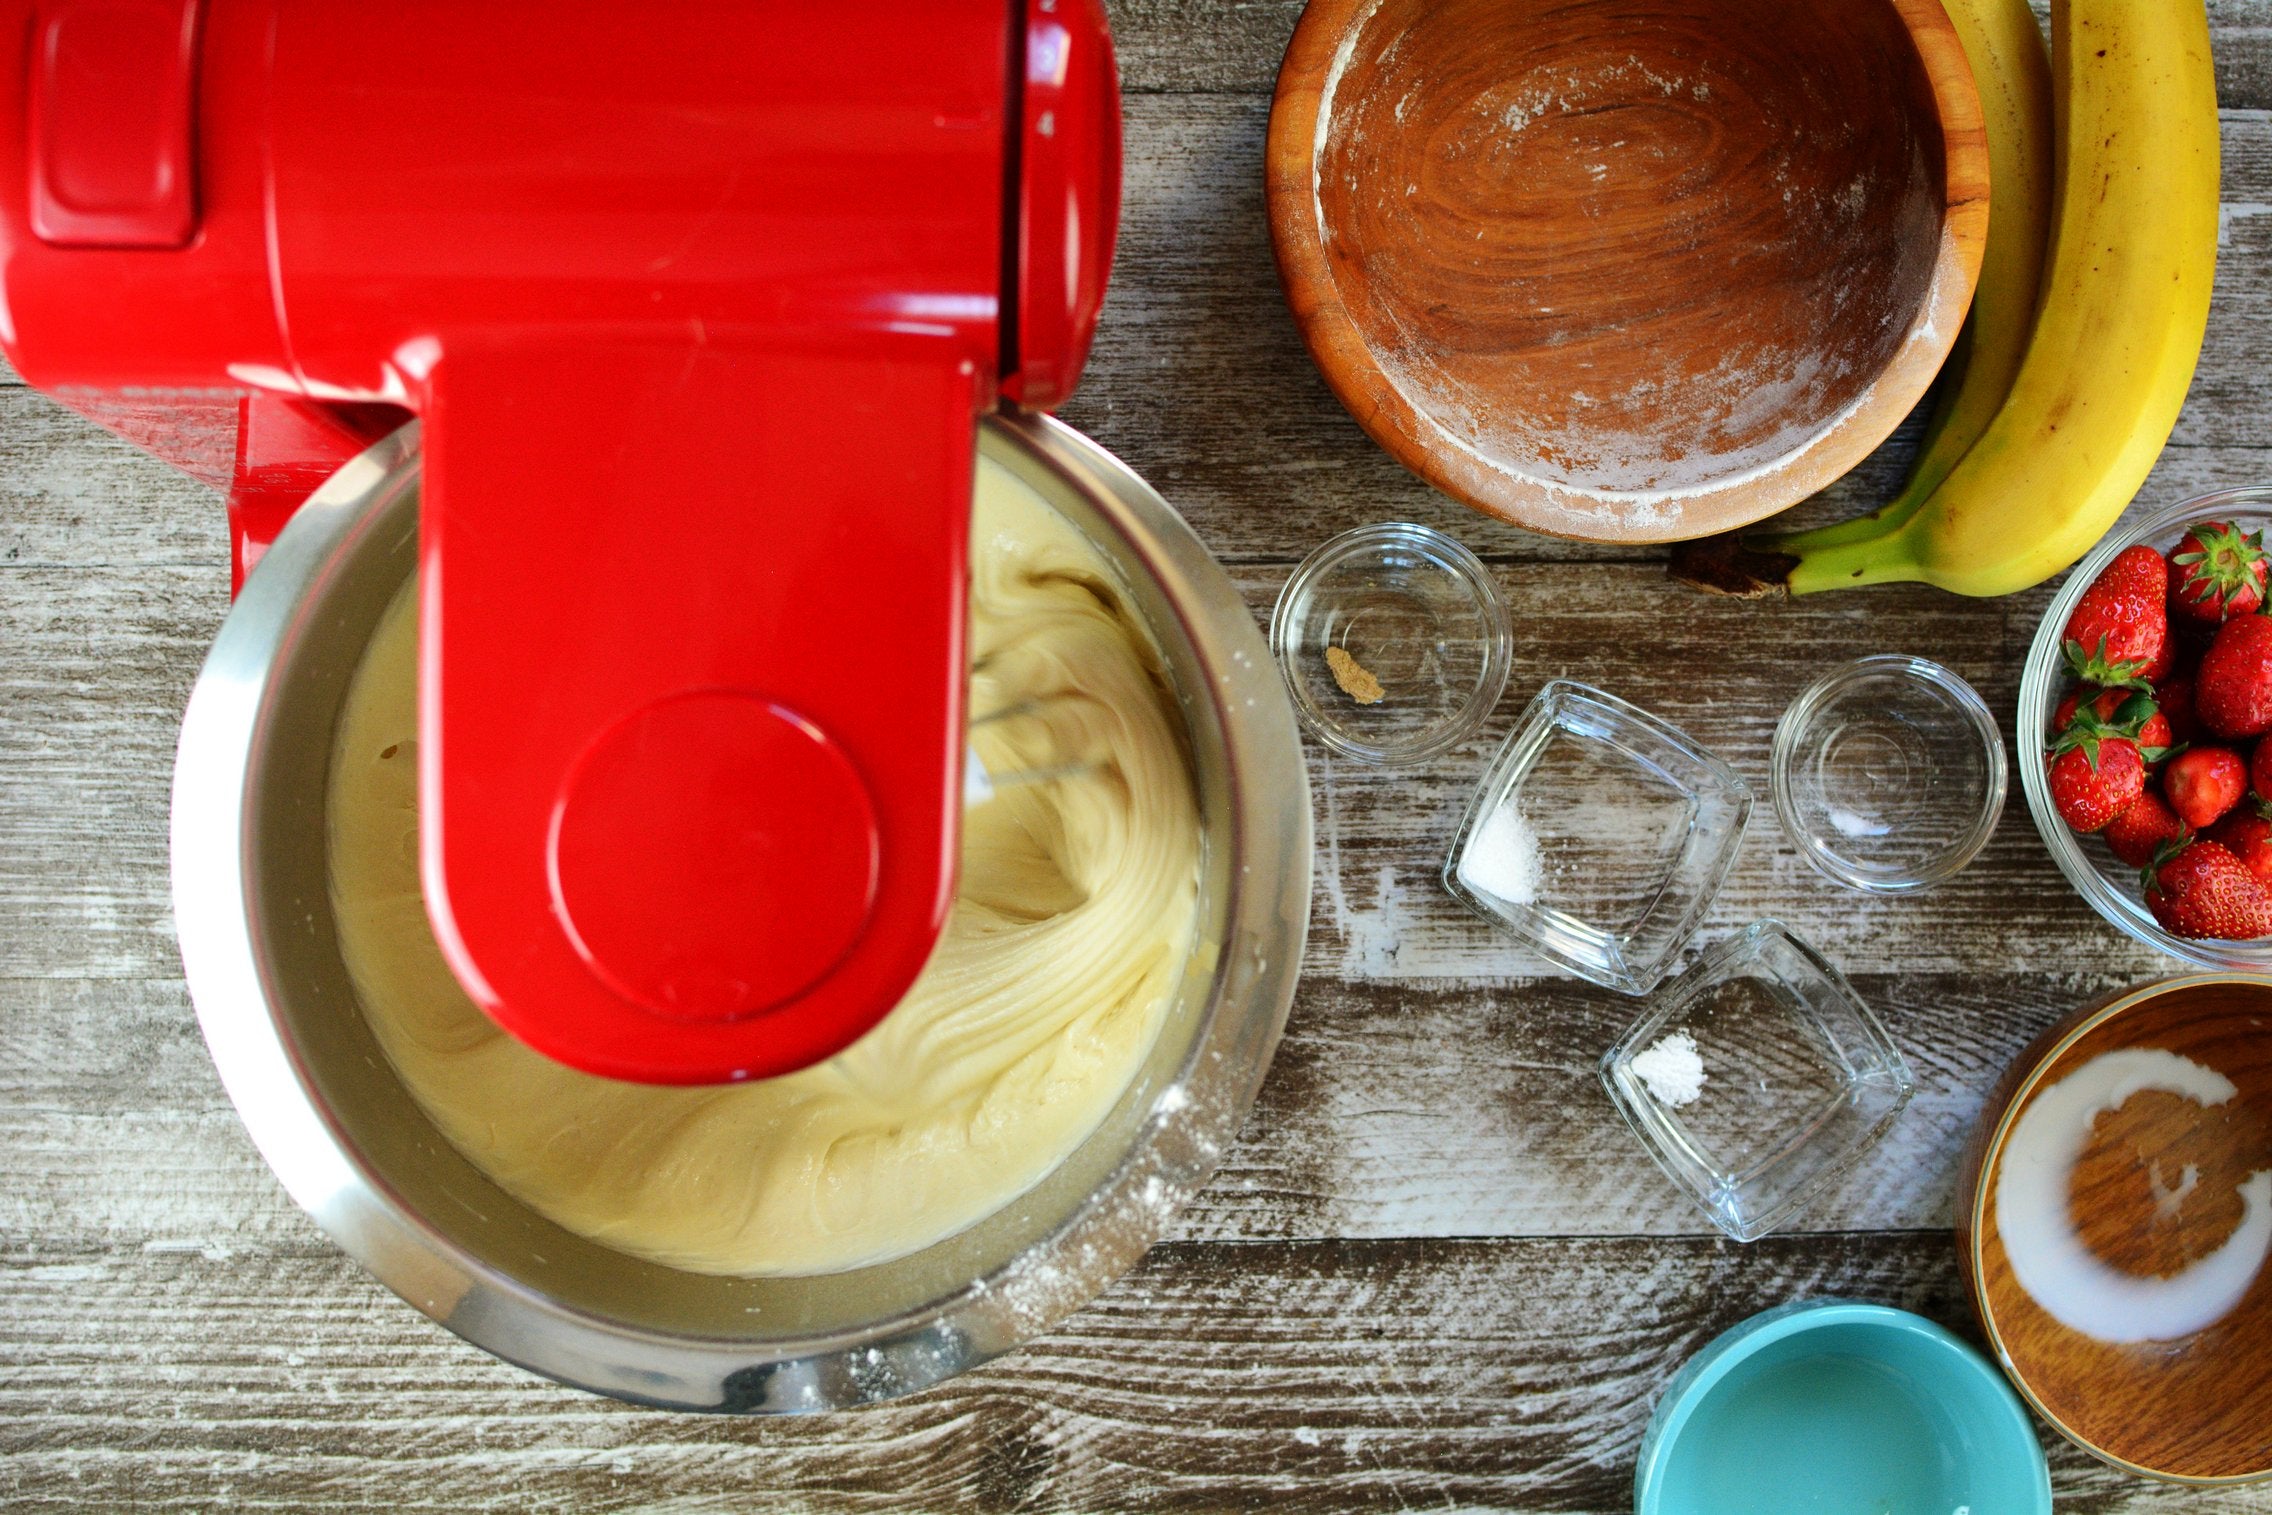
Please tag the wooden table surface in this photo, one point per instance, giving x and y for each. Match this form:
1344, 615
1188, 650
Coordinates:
1435, 1271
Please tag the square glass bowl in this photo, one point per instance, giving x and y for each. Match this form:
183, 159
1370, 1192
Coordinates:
1599, 836
1799, 1079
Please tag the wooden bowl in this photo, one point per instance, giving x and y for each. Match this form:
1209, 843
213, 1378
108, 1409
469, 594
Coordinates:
1627, 270
2196, 1408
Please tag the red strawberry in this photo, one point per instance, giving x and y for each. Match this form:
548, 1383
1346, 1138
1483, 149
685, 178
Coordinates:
2217, 573
2155, 744
2204, 891
2203, 783
2174, 696
2119, 632
2129, 712
2143, 830
2260, 770
2095, 773
2247, 835
2104, 703
2233, 689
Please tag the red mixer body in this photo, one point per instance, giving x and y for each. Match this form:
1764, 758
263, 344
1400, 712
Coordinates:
699, 303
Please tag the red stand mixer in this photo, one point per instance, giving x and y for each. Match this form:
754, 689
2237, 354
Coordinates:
698, 305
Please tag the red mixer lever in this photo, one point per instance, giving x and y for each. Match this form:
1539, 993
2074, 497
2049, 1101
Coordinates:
715, 709
699, 305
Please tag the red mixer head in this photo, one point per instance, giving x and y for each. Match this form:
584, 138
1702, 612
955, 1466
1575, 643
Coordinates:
699, 304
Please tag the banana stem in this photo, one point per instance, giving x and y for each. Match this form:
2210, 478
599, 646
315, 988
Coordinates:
1867, 528
1882, 559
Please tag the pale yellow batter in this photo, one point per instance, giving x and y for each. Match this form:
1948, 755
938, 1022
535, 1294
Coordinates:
1069, 934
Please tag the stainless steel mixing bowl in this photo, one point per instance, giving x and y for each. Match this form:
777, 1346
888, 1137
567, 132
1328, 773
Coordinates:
327, 1111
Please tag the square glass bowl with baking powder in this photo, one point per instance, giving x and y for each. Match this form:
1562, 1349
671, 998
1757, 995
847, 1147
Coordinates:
1598, 837
1757, 1079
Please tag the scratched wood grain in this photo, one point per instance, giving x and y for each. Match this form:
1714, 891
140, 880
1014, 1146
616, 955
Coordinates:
1434, 1271
1394, 1110
1191, 46
101, 662
1322, 1376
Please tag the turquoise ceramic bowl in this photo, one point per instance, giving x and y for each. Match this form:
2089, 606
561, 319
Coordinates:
1840, 1409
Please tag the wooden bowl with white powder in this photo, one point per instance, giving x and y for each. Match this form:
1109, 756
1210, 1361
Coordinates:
1627, 270
2115, 1228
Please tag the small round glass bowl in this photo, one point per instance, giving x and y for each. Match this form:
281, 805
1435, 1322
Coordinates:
2110, 884
1407, 616
1888, 773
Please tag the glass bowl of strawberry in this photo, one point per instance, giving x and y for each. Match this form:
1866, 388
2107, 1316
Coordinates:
2147, 696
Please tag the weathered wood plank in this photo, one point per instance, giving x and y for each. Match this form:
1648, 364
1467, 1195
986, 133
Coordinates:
96, 666
1394, 1109
1329, 1376
72, 493
1210, 46
94, 669
1379, 912
1186, 46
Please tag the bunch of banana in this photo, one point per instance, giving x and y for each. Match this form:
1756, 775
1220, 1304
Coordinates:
2088, 318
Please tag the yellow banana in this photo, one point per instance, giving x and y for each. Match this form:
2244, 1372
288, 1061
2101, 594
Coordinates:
2118, 326
2013, 72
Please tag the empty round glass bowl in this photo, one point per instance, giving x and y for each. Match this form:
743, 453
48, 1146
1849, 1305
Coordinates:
1394, 643
1888, 773
2110, 884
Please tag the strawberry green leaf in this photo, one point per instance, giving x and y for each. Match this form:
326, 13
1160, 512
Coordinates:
2096, 667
